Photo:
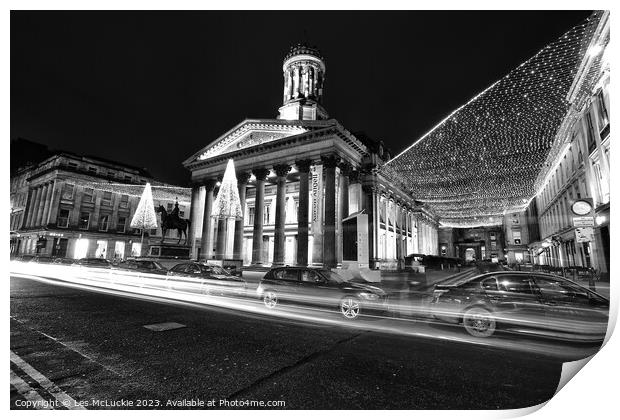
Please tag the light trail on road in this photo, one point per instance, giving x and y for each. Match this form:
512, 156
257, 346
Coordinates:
160, 289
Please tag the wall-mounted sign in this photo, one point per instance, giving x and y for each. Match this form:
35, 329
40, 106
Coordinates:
585, 234
583, 221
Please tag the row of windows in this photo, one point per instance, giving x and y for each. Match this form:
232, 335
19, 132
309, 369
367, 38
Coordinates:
84, 222
90, 195
106, 172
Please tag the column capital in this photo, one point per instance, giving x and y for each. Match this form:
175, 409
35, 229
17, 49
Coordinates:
345, 168
243, 177
330, 161
209, 183
371, 189
260, 173
354, 176
281, 170
303, 165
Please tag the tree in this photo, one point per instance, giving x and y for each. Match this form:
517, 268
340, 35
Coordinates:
227, 204
144, 218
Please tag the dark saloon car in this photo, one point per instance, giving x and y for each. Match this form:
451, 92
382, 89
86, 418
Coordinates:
195, 277
63, 261
94, 263
320, 287
143, 266
523, 302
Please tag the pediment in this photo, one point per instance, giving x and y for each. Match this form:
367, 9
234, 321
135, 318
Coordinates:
249, 135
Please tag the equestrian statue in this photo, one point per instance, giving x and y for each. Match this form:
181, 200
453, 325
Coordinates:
173, 221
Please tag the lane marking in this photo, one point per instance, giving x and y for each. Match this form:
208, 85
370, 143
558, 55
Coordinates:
68, 345
48, 385
28, 393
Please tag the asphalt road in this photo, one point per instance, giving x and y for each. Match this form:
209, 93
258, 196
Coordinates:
93, 347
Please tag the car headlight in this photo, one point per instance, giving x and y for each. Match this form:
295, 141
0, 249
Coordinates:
369, 296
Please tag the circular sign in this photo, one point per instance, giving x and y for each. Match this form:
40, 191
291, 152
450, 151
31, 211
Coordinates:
581, 207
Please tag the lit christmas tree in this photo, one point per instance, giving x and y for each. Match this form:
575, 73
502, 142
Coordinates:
144, 218
226, 208
227, 204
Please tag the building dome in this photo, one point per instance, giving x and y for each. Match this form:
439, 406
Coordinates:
303, 49
304, 75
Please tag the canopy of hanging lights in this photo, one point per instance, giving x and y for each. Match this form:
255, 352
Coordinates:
168, 193
483, 160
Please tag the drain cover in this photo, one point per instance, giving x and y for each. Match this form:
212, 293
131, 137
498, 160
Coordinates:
164, 326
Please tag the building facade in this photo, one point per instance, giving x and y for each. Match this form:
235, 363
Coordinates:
580, 172
74, 206
299, 177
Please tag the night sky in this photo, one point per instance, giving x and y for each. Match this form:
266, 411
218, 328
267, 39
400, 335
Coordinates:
151, 88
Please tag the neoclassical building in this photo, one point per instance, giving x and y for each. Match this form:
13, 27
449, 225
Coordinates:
299, 176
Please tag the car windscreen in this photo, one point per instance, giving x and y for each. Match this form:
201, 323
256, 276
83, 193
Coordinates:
331, 276
213, 269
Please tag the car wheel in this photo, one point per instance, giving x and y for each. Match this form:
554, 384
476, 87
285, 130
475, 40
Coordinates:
350, 307
479, 322
270, 299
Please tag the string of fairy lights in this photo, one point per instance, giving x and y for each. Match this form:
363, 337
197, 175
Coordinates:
482, 160
161, 193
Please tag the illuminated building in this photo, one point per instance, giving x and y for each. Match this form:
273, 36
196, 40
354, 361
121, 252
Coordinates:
74, 206
580, 169
299, 176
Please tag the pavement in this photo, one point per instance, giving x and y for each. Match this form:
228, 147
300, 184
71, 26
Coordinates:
95, 349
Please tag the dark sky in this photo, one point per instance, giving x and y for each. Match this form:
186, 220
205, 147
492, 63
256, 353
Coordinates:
151, 88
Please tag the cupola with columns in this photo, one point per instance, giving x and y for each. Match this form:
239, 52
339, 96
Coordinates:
304, 75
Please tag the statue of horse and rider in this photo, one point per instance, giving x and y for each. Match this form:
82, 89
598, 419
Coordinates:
173, 221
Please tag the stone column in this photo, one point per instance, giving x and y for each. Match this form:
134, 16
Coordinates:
47, 203
220, 244
387, 225
296, 88
206, 241
56, 195
242, 183
41, 211
355, 193
302, 212
279, 234
345, 171
329, 242
193, 215
343, 205
37, 206
259, 208
27, 220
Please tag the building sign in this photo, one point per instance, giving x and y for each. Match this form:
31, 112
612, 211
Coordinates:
316, 192
583, 221
585, 234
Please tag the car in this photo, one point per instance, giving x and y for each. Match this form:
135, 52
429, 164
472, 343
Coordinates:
209, 279
63, 261
143, 266
94, 263
523, 302
24, 258
320, 287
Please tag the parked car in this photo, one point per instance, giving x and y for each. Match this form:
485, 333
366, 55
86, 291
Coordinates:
525, 302
196, 277
24, 258
63, 261
320, 287
43, 259
143, 266
94, 263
